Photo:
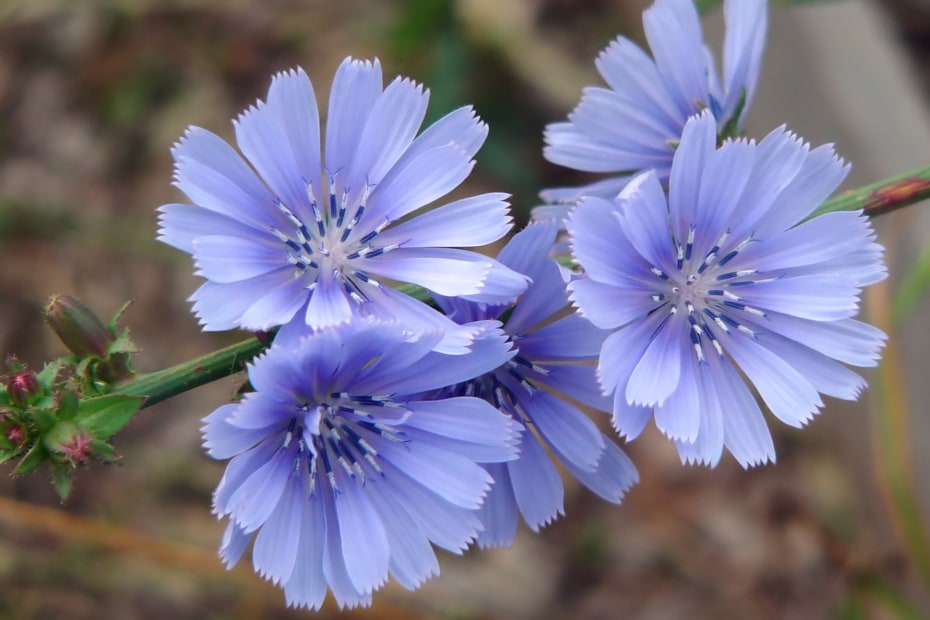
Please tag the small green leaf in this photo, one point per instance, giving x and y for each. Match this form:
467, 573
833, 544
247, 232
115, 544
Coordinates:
63, 480
43, 419
50, 372
35, 457
68, 405
116, 317
8, 453
103, 416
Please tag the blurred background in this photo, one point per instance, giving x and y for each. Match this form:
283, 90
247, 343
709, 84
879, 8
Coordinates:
93, 94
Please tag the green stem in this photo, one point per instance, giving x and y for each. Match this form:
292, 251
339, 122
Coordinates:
883, 197
163, 384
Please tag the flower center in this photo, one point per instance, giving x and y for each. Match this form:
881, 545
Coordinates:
342, 433
325, 239
707, 290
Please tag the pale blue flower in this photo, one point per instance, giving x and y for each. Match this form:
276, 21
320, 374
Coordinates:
340, 475
555, 354
635, 124
727, 282
317, 233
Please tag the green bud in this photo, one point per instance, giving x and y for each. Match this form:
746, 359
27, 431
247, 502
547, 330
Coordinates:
77, 326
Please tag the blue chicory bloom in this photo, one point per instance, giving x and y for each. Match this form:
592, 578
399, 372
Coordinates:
313, 232
340, 475
727, 276
636, 123
554, 355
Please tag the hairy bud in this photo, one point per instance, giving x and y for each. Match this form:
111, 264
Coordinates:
22, 387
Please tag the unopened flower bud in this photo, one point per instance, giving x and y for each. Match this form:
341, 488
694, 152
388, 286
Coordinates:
11, 428
22, 387
78, 448
77, 326
15, 434
70, 441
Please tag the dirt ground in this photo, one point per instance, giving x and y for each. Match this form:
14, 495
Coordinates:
93, 94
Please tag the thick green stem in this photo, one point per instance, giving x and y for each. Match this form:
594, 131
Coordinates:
161, 385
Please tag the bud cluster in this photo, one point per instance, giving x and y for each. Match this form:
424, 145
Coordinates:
64, 414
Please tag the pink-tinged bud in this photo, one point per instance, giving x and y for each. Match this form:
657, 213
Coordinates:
15, 435
77, 326
13, 431
22, 387
77, 448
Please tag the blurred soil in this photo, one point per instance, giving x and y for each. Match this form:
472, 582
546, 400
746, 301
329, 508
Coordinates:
92, 95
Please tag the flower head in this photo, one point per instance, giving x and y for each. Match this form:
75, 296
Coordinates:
636, 123
341, 475
727, 275
554, 355
312, 232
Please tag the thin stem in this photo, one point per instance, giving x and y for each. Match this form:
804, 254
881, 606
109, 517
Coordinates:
883, 197
892, 443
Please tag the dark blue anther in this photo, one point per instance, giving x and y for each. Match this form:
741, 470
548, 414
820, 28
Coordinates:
729, 321
306, 233
324, 454
726, 259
